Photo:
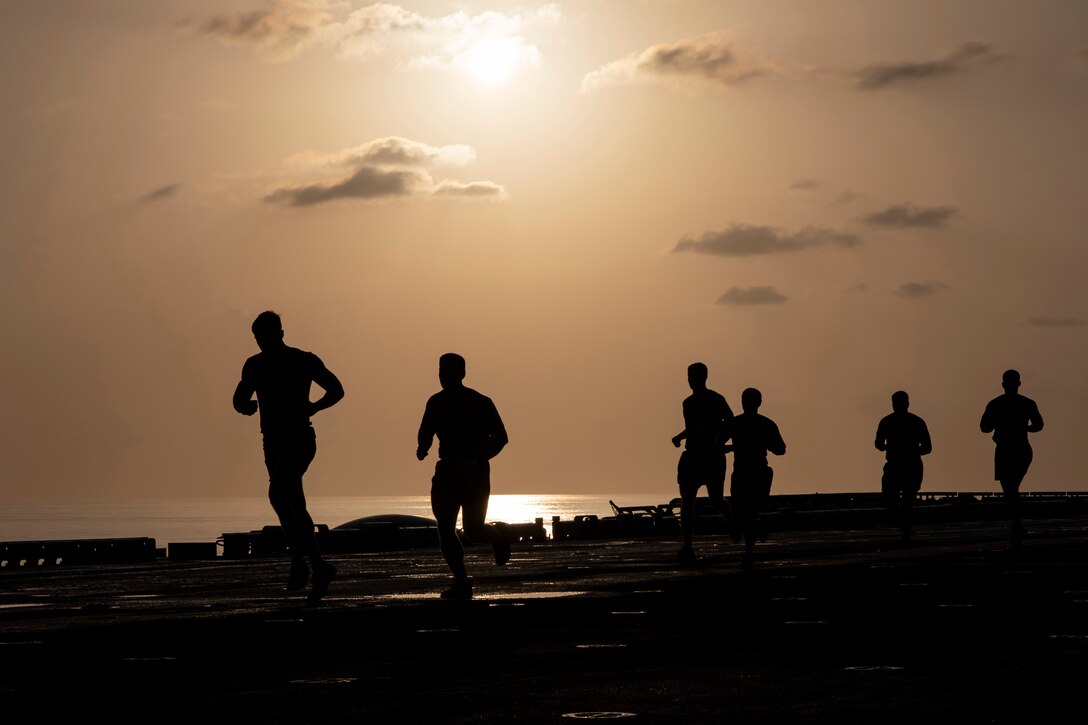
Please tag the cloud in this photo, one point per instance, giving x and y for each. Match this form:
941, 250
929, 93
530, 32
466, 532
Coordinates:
162, 193
1057, 322
752, 296
964, 58
366, 183
488, 45
477, 44
388, 151
706, 59
469, 190
807, 184
385, 168
906, 216
745, 240
276, 32
920, 290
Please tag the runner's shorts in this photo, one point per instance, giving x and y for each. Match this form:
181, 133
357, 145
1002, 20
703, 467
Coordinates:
460, 484
751, 487
901, 477
288, 455
698, 468
1011, 461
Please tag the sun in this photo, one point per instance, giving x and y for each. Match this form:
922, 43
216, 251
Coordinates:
493, 62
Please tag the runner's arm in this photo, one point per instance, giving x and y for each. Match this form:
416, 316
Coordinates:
925, 443
425, 437
881, 437
243, 396
1035, 420
334, 390
496, 438
776, 445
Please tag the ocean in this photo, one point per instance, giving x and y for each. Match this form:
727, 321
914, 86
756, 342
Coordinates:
170, 520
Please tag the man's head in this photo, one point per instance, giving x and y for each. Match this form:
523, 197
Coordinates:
1010, 381
268, 330
697, 374
750, 400
451, 370
900, 401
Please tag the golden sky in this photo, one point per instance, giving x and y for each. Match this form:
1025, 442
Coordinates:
828, 201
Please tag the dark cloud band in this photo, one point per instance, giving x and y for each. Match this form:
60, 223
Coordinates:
906, 216
745, 240
752, 296
366, 183
966, 57
921, 290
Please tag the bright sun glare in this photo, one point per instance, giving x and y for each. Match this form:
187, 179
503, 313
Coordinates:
493, 61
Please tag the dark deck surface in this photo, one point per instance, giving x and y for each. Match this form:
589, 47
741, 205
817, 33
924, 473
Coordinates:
830, 627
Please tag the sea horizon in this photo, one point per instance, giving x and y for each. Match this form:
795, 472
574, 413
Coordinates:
207, 518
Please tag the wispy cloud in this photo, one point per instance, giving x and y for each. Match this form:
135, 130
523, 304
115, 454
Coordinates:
752, 296
967, 57
469, 190
746, 240
391, 150
906, 216
706, 59
459, 41
366, 183
1057, 322
921, 290
807, 185
276, 32
385, 168
162, 193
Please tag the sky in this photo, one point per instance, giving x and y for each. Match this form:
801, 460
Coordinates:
827, 201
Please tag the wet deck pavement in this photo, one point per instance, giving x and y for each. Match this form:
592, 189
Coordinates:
845, 627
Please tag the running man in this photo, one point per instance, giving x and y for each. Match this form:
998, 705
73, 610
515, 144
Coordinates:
470, 433
706, 419
904, 438
280, 376
753, 436
1010, 417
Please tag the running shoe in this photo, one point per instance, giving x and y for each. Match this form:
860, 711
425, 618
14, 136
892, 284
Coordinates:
502, 544
323, 576
461, 589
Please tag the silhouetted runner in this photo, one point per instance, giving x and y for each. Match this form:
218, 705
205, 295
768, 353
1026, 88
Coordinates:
904, 438
281, 377
470, 433
706, 419
1010, 417
753, 436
